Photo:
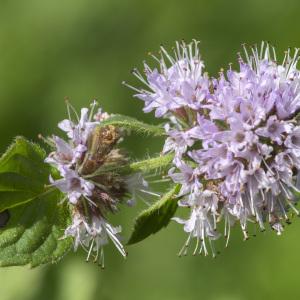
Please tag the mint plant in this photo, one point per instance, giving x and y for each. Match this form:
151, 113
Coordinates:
231, 156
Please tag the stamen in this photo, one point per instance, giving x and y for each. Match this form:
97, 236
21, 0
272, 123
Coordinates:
93, 106
70, 107
185, 246
47, 141
101, 262
90, 250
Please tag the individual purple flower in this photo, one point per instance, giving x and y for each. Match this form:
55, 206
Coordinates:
79, 132
187, 177
274, 129
178, 141
73, 185
137, 187
292, 141
65, 153
202, 221
93, 236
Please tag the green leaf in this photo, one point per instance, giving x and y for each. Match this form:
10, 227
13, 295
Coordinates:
155, 217
33, 233
23, 174
36, 221
134, 125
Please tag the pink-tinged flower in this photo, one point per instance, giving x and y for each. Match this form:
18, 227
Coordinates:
101, 115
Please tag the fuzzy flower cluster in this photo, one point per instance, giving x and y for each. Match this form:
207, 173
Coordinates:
90, 190
235, 138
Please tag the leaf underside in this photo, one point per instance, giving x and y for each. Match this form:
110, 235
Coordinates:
36, 221
155, 217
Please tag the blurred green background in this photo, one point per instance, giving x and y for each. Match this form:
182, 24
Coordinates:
83, 49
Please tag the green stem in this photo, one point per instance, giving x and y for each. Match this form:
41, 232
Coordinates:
144, 166
134, 125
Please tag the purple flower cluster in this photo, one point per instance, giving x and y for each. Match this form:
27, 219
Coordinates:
91, 192
235, 138
67, 155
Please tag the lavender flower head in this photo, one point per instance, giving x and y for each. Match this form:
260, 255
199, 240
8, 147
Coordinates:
91, 190
235, 139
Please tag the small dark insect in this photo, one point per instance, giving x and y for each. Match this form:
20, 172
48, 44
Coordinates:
4, 218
